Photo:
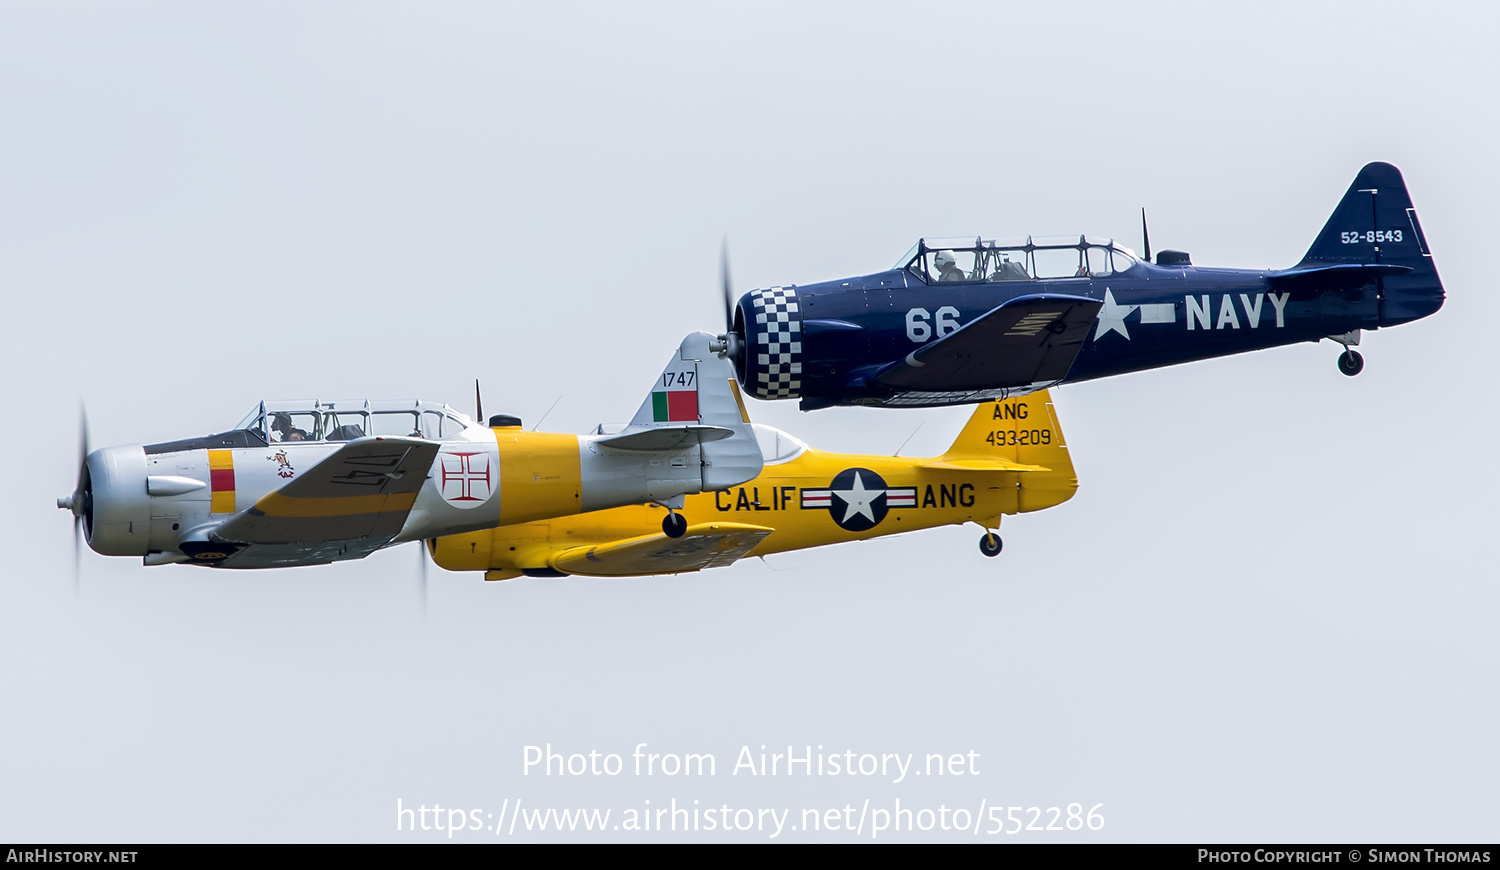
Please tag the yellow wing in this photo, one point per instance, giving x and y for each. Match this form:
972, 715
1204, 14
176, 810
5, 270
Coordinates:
706, 545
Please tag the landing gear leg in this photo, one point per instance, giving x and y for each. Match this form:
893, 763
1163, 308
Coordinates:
674, 525
1350, 362
990, 544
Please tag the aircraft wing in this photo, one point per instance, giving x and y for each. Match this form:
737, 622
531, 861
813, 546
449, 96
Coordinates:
1024, 341
706, 545
359, 495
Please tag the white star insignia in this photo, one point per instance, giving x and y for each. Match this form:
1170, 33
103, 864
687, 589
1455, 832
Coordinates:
1112, 316
860, 501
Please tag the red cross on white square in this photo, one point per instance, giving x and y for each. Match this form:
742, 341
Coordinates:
465, 479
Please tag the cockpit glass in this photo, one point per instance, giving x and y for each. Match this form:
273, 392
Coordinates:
1007, 265
1098, 261
252, 420
345, 425
1016, 258
1059, 263
401, 423
294, 426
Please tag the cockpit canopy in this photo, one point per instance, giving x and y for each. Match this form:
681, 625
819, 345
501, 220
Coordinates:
776, 446
1023, 258
313, 420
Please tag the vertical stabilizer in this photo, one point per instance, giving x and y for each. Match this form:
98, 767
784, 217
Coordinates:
694, 405
1023, 432
1375, 222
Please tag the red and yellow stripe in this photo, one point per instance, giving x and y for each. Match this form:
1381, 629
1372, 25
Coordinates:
221, 481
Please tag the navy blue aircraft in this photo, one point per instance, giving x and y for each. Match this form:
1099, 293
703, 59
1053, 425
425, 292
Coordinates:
957, 321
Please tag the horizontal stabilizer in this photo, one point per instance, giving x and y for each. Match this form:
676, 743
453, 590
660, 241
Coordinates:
671, 439
986, 464
1309, 280
1025, 341
362, 491
706, 545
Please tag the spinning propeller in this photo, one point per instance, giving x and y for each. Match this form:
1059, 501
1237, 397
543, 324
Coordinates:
81, 502
732, 342
422, 575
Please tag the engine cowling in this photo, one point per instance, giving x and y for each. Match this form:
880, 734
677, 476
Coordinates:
770, 364
118, 521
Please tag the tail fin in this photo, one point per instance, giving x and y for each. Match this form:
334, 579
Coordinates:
695, 401
1375, 223
1024, 434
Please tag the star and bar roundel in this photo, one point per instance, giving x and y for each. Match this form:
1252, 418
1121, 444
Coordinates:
858, 499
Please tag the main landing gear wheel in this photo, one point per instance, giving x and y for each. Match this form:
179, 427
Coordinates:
990, 544
1351, 363
674, 525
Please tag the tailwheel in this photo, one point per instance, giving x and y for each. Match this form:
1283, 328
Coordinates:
1351, 363
990, 544
674, 525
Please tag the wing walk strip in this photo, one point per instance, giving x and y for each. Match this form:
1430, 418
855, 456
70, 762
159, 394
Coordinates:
277, 505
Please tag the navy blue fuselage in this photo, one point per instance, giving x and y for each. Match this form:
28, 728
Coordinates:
899, 337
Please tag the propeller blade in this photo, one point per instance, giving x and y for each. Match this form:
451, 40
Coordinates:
77, 554
478, 403
80, 498
726, 287
83, 434
1145, 236
422, 575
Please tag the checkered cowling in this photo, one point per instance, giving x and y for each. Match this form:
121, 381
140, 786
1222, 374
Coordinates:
773, 361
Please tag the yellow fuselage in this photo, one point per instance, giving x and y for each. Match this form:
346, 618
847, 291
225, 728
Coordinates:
794, 498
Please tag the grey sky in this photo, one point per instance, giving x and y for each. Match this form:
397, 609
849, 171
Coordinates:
1268, 614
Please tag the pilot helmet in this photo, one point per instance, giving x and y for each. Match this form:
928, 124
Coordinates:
943, 259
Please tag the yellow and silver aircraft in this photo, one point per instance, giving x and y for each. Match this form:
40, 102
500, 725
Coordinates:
1010, 458
304, 483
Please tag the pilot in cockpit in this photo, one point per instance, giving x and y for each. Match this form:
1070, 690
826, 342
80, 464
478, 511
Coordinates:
283, 430
947, 267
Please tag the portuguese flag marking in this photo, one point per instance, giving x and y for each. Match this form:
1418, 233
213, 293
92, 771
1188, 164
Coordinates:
675, 406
